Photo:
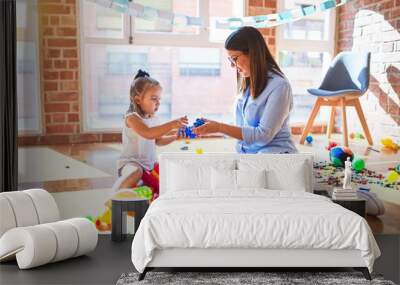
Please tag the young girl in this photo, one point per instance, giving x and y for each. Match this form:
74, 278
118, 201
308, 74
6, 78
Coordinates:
141, 132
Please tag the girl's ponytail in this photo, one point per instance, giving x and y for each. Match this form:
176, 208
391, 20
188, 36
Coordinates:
141, 73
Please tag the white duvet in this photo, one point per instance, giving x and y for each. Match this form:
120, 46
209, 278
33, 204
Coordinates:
250, 219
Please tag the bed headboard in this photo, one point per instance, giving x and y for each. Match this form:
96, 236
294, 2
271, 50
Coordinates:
277, 161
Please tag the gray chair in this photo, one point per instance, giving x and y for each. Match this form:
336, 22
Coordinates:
346, 80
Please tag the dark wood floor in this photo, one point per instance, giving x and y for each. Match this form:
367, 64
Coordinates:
102, 266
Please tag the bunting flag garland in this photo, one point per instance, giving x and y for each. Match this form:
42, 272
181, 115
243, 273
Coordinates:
261, 21
271, 20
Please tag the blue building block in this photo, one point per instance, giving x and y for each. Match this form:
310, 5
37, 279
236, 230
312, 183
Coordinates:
198, 123
189, 130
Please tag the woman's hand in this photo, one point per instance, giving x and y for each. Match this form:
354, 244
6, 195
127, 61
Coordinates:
209, 127
180, 122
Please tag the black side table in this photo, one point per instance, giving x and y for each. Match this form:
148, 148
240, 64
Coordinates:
358, 205
120, 207
355, 205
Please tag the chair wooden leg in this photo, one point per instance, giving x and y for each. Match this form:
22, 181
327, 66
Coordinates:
310, 121
331, 124
344, 122
364, 124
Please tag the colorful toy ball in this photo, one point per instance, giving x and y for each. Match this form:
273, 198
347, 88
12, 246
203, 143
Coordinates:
309, 139
358, 164
331, 145
338, 155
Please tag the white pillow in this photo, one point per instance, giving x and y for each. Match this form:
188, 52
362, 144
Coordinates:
185, 177
251, 178
282, 174
292, 179
223, 179
193, 174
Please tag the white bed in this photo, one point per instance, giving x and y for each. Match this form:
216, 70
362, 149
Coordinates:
219, 210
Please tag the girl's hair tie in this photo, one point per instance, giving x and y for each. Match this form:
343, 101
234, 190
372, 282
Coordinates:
141, 73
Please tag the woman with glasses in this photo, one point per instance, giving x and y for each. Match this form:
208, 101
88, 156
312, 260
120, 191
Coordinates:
262, 111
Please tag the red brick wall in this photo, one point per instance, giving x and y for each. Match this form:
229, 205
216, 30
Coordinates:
60, 68
263, 7
60, 77
373, 25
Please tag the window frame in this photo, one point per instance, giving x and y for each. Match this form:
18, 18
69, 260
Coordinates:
307, 45
321, 46
38, 69
201, 40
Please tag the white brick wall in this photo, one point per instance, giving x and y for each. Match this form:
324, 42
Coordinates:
381, 105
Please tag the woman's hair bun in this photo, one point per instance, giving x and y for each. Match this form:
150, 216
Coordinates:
141, 73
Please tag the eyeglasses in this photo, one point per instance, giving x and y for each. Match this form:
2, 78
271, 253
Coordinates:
233, 60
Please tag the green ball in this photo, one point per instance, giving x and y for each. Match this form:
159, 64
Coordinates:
358, 164
397, 168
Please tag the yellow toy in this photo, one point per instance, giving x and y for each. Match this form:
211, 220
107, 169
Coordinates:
392, 176
106, 217
390, 144
199, 150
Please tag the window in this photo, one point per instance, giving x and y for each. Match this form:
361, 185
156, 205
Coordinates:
189, 61
305, 48
106, 24
125, 62
199, 62
28, 91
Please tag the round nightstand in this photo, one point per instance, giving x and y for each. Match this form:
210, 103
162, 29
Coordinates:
120, 207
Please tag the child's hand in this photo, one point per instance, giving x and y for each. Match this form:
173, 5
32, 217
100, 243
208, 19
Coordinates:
180, 122
181, 134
